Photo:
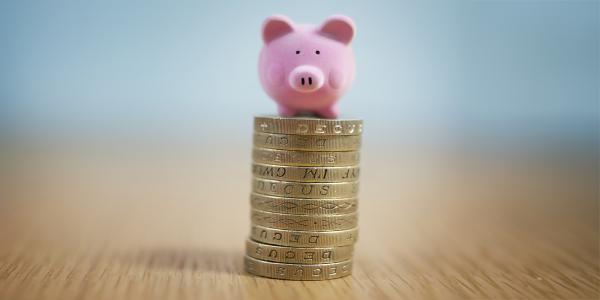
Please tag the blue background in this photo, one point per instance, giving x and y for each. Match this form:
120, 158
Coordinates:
481, 73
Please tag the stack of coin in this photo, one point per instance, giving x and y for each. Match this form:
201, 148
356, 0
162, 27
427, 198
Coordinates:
304, 198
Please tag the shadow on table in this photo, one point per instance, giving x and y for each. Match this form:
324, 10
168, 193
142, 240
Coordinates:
192, 260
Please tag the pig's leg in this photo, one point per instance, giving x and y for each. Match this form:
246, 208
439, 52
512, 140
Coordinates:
285, 111
329, 112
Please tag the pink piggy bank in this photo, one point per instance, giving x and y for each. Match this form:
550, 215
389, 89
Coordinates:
307, 68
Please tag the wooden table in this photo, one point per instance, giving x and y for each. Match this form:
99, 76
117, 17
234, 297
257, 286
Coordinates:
169, 222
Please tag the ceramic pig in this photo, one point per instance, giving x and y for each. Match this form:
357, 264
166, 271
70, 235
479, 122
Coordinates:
307, 68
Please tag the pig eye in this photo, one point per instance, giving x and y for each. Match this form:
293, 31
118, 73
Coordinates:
297, 51
318, 52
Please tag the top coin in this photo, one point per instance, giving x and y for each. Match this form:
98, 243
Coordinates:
307, 126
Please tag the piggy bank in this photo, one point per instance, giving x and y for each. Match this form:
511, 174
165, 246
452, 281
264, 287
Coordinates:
307, 68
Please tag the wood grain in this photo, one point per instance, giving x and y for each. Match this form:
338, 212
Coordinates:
170, 223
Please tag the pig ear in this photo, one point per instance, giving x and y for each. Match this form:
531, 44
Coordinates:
276, 26
339, 28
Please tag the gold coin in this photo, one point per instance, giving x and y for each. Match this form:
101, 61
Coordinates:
306, 174
297, 271
307, 126
295, 238
299, 206
294, 255
304, 222
304, 158
326, 190
307, 142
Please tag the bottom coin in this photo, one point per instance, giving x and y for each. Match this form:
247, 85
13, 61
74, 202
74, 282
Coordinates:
297, 271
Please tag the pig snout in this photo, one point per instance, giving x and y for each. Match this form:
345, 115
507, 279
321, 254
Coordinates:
306, 79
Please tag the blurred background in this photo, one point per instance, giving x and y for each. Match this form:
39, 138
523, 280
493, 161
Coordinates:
125, 128
494, 74
147, 91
